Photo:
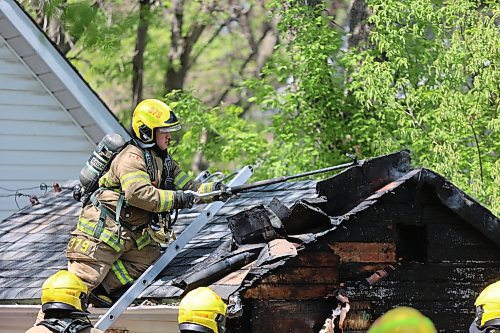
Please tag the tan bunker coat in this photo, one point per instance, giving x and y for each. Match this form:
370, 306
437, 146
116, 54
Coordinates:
116, 254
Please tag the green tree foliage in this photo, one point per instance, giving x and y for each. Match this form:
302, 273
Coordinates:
232, 141
429, 82
303, 87
425, 79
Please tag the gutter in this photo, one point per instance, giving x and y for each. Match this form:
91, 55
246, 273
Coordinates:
137, 319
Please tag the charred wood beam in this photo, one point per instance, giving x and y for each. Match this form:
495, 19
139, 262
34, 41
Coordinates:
214, 271
254, 225
347, 189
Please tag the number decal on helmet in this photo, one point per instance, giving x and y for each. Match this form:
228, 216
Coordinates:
155, 112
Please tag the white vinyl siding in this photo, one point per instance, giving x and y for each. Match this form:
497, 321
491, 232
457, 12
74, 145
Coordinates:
50, 118
39, 141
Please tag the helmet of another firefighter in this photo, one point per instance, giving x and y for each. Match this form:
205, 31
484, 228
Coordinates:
402, 320
202, 310
488, 306
64, 291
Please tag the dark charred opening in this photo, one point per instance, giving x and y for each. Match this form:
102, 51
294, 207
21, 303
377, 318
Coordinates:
412, 243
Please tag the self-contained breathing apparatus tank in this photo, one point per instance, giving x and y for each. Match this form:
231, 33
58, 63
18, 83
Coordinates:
97, 164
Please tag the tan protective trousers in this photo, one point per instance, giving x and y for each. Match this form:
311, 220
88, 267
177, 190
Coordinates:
95, 262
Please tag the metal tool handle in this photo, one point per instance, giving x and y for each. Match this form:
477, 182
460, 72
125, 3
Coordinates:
199, 196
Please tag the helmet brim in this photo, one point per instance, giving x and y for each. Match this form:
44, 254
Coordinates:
62, 307
174, 128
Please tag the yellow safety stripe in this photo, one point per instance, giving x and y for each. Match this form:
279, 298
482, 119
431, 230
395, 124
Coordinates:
106, 236
134, 177
166, 200
105, 181
143, 241
181, 180
121, 272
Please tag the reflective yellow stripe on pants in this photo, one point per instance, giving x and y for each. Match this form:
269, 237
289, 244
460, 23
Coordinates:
106, 236
121, 272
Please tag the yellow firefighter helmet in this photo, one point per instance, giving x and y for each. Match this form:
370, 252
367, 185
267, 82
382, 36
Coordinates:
488, 306
402, 320
151, 114
64, 291
202, 310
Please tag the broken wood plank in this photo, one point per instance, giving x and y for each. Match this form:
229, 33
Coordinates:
365, 252
303, 275
293, 291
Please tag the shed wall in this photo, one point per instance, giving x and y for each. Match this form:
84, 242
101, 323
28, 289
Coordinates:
292, 298
458, 261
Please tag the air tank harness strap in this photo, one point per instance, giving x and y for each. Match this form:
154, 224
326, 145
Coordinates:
168, 174
65, 325
115, 216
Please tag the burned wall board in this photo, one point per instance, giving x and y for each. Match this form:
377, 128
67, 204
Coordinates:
292, 297
403, 243
435, 261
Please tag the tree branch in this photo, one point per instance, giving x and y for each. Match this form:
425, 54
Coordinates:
245, 63
210, 41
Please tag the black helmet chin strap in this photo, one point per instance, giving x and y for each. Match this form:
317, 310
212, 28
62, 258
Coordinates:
191, 327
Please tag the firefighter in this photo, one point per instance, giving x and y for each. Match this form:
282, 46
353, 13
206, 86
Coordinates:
487, 310
402, 319
64, 304
112, 244
202, 310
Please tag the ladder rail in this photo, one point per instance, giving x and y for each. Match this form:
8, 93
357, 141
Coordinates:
170, 253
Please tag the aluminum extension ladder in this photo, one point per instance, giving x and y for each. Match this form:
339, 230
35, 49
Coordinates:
173, 249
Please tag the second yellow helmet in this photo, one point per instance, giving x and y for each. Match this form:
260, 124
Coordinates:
64, 291
202, 310
488, 306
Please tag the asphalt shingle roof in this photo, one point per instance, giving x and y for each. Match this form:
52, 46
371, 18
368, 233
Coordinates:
33, 240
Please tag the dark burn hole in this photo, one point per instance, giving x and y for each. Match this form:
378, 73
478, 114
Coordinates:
412, 243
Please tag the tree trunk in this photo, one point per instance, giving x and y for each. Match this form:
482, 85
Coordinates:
140, 46
357, 26
52, 27
180, 57
175, 76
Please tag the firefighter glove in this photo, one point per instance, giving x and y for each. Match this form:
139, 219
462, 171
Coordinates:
224, 195
183, 199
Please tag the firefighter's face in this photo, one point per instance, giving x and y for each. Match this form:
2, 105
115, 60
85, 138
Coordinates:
162, 139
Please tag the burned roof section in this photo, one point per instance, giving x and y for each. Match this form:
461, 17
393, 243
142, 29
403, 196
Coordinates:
255, 238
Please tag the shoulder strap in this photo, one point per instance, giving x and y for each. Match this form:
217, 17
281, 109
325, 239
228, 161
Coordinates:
54, 325
150, 165
168, 174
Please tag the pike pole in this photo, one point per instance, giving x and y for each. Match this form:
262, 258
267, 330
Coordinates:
232, 190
